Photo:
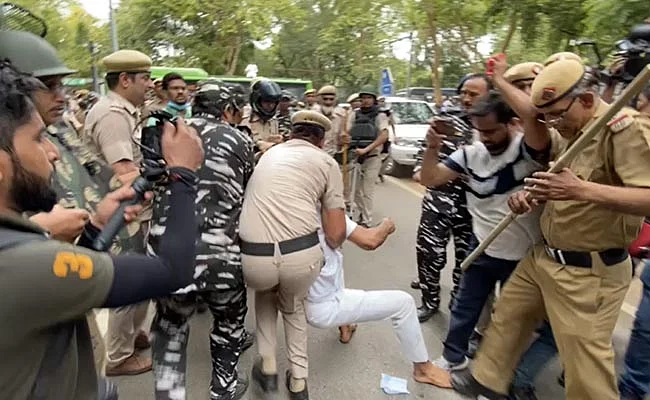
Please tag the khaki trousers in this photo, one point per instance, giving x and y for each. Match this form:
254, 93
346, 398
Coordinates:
99, 349
124, 324
365, 190
281, 283
582, 305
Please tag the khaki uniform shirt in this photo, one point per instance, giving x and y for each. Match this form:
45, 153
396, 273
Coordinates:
382, 122
618, 156
110, 127
261, 129
39, 291
333, 136
282, 198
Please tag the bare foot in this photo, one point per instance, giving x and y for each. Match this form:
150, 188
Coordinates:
346, 332
432, 375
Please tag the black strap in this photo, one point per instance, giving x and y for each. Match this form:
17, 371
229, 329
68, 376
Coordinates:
62, 333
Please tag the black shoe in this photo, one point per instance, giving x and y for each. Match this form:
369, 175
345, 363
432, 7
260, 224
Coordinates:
464, 383
425, 313
240, 390
560, 379
415, 284
268, 383
302, 395
473, 344
249, 340
525, 393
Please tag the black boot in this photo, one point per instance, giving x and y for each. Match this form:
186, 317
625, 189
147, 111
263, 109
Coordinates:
302, 395
268, 383
240, 390
425, 313
464, 383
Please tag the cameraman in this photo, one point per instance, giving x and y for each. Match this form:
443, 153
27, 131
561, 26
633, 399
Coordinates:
47, 285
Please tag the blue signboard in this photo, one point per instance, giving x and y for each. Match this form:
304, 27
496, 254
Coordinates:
386, 82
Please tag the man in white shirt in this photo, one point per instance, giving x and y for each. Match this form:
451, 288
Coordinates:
329, 303
495, 167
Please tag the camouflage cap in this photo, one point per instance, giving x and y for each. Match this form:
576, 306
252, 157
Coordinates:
327, 89
307, 117
353, 97
309, 92
556, 81
523, 72
127, 61
564, 55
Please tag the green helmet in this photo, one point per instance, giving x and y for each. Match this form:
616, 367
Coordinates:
31, 54
368, 89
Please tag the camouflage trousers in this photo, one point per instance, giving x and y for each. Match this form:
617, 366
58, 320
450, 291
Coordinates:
431, 246
170, 333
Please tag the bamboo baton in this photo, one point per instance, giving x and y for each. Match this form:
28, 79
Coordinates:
634, 88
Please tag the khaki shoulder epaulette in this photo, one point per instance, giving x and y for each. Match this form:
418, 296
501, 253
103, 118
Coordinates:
622, 120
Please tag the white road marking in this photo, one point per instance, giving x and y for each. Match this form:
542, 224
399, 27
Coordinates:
627, 308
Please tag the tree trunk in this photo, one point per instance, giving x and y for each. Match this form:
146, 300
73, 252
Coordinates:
234, 57
437, 56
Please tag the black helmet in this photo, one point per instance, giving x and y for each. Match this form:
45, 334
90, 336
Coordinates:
31, 54
214, 98
265, 90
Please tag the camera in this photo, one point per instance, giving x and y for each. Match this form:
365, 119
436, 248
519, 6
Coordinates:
635, 49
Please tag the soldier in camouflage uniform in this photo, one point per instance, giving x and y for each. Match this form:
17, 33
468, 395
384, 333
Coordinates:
444, 211
229, 162
284, 115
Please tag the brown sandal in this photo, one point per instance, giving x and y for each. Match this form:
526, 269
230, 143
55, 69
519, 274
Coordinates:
346, 332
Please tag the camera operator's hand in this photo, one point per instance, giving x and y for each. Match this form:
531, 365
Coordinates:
109, 204
433, 138
616, 67
64, 224
181, 146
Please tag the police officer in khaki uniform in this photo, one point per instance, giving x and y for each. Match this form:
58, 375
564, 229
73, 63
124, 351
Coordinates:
260, 117
368, 113
579, 275
311, 101
327, 107
281, 254
522, 75
110, 128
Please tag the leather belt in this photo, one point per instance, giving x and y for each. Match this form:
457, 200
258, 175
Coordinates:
582, 259
286, 246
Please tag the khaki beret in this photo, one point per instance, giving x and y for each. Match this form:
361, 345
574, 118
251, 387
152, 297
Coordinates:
127, 61
327, 89
555, 81
353, 97
310, 91
307, 117
523, 72
564, 55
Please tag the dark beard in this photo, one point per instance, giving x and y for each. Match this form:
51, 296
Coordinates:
29, 192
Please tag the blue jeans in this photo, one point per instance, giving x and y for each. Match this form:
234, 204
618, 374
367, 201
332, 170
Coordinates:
535, 358
635, 381
475, 286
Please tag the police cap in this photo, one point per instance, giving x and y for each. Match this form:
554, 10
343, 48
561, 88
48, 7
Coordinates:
556, 81
353, 97
327, 89
309, 92
523, 72
307, 117
564, 55
127, 61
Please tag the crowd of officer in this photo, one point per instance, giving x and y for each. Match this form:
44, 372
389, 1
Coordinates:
255, 190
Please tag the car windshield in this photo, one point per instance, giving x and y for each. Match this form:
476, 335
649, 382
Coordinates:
410, 113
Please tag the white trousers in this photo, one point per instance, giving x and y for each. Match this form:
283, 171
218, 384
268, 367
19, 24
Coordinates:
353, 306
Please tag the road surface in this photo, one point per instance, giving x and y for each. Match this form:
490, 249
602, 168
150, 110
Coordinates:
353, 371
